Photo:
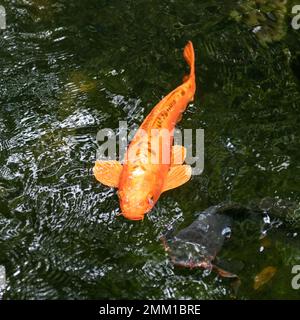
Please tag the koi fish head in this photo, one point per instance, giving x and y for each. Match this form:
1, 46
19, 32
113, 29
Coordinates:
136, 204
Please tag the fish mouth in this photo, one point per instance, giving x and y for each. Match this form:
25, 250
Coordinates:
133, 217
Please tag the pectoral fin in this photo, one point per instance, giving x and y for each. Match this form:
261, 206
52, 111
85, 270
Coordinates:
178, 155
225, 274
108, 172
177, 176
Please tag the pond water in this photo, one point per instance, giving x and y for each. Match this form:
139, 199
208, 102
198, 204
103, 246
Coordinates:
70, 68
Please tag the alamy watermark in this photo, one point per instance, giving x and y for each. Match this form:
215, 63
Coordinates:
152, 147
296, 279
296, 19
2, 18
2, 280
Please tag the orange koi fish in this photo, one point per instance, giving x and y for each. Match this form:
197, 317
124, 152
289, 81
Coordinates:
140, 180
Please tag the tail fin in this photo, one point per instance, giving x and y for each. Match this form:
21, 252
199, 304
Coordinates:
189, 56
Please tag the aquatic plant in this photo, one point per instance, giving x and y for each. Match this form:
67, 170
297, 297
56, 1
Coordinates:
265, 18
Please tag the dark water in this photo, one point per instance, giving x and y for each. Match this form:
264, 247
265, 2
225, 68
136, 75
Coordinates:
70, 68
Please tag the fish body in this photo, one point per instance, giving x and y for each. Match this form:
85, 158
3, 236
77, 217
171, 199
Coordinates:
150, 165
198, 244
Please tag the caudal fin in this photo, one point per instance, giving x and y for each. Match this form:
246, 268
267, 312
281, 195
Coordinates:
189, 56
